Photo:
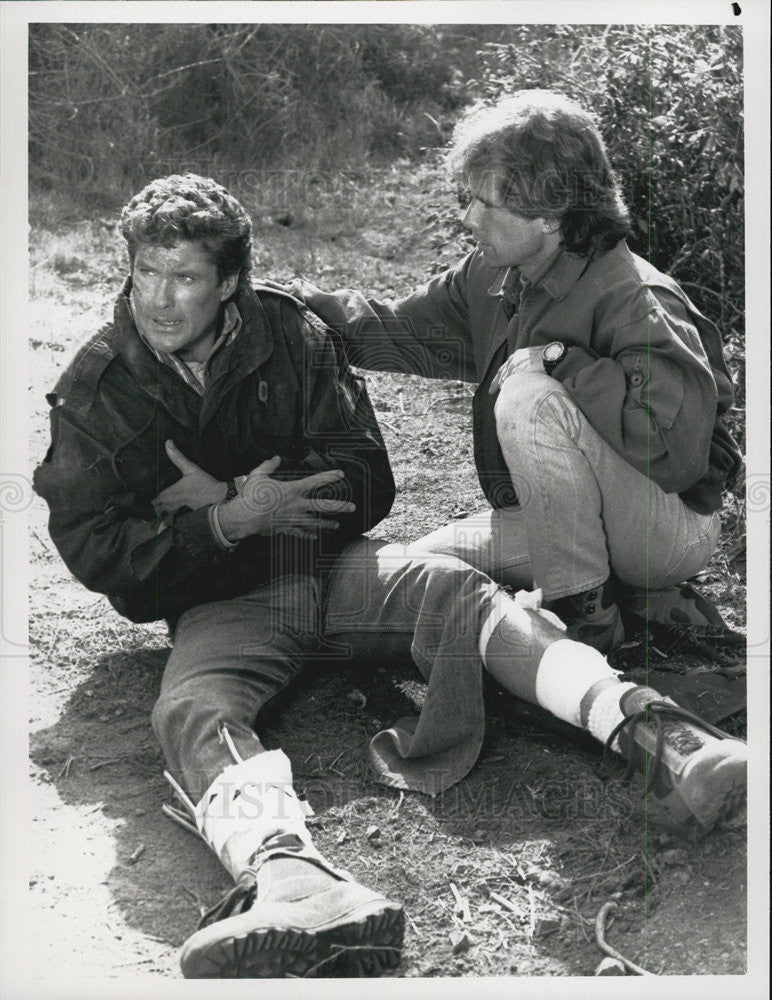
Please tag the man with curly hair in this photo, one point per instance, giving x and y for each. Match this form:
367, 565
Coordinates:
214, 463
598, 432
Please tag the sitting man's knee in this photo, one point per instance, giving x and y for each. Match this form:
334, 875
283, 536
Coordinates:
161, 716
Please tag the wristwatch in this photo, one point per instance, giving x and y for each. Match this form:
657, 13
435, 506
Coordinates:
231, 492
552, 355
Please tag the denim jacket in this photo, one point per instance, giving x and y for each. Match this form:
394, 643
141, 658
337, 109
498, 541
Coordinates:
643, 364
281, 388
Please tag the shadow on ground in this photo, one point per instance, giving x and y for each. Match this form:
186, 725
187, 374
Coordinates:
541, 823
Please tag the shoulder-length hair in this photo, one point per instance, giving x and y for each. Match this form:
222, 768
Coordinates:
548, 160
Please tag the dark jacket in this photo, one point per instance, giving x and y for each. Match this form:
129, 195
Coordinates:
643, 365
282, 387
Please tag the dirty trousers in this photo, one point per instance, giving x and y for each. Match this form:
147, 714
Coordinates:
381, 601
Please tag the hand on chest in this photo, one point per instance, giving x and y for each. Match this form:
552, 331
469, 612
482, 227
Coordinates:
229, 440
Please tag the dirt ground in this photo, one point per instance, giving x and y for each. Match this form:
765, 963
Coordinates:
538, 837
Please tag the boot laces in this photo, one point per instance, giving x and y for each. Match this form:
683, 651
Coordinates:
657, 712
236, 900
244, 892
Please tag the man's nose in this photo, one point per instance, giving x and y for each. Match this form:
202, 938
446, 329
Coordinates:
470, 217
163, 293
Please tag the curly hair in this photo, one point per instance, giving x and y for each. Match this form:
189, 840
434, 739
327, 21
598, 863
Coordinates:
548, 160
190, 207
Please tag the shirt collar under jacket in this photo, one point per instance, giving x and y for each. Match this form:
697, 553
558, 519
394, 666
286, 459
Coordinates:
194, 373
557, 277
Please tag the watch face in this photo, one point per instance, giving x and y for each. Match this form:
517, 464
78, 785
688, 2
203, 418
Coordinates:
553, 352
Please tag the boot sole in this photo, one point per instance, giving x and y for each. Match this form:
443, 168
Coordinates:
367, 943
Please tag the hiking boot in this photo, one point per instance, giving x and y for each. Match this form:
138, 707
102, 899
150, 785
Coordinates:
292, 915
695, 771
679, 605
592, 617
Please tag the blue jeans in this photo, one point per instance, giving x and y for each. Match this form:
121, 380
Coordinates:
584, 511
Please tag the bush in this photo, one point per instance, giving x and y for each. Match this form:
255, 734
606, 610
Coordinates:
112, 105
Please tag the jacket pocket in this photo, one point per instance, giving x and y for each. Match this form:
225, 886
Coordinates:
655, 384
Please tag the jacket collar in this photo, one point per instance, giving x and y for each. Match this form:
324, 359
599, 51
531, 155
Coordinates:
557, 278
244, 355
233, 362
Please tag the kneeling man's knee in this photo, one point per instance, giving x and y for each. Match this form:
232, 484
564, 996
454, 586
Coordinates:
519, 398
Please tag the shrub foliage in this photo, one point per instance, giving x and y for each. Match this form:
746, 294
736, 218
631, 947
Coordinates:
112, 105
116, 102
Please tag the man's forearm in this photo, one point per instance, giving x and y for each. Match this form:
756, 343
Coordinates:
424, 334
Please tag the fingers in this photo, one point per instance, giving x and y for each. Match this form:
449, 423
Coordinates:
268, 467
183, 464
305, 527
501, 375
331, 506
163, 502
318, 479
163, 495
300, 532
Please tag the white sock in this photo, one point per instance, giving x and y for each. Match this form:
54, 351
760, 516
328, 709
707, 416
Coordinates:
567, 671
605, 713
246, 804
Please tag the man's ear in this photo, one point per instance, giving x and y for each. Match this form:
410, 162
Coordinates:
550, 226
229, 286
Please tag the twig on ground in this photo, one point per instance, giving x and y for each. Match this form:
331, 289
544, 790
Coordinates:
118, 758
185, 819
395, 809
598, 875
440, 399
462, 904
532, 913
648, 869
196, 899
137, 854
506, 903
65, 771
600, 928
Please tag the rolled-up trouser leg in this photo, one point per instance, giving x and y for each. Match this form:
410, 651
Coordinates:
230, 658
452, 620
387, 599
